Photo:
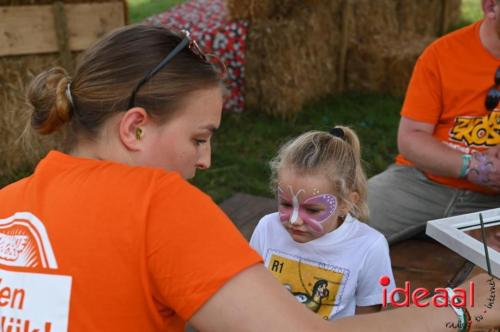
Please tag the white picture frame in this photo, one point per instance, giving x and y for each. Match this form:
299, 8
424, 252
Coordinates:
451, 233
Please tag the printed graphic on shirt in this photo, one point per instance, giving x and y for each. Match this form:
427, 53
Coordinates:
31, 302
477, 131
317, 285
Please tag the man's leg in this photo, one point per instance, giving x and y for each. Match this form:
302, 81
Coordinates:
469, 201
401, 200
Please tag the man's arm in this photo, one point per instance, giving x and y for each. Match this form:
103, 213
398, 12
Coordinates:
416, 143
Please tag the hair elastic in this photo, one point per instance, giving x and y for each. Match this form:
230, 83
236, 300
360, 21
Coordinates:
337, 132
69, 96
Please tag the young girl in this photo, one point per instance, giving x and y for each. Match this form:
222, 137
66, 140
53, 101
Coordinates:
315, 244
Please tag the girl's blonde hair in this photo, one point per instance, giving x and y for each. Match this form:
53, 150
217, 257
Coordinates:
338, 157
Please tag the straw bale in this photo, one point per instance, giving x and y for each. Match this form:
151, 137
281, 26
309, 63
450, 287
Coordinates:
247, 9
19, 148
427, 17
385, 65
388, 36
372, 19
290, 61
266, 9
295, 53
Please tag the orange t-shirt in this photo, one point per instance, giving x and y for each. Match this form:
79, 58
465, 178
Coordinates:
89, 245
448, 89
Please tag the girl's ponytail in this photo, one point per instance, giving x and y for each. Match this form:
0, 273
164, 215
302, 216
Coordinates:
360, 210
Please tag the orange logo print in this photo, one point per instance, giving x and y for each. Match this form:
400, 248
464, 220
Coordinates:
24, 243
479, 131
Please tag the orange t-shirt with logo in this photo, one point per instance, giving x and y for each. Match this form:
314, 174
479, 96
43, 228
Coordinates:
89, 245
448, 89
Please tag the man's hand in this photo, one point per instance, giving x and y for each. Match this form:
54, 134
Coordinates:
484, 168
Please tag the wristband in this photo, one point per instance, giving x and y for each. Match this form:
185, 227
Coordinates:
464, 170
462, 313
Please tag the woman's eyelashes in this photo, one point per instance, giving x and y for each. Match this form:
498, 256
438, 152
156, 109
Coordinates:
201, 140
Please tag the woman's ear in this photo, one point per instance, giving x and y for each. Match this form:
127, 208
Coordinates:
132, 128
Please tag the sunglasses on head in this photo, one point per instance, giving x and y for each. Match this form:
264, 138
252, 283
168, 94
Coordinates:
194, 48
493, 95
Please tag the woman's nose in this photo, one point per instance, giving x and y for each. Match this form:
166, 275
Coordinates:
204, 160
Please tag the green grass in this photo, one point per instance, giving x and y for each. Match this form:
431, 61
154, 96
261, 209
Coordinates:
470, 12
246, 142
141, 9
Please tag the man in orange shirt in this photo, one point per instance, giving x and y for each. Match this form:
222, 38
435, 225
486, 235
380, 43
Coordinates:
448, 134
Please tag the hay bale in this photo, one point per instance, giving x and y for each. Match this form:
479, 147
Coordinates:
427, 17
385, 65
383, 59
266, 9
20, 147
290, 61
295, 53
424, 18
249, 9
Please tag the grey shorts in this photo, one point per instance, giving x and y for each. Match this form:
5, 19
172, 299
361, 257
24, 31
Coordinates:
402, 199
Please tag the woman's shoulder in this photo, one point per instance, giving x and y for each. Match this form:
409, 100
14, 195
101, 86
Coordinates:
109, 178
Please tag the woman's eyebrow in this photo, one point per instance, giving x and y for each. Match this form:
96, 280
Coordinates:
210, 128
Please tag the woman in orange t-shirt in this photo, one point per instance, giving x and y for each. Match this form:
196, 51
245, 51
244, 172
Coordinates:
110, 236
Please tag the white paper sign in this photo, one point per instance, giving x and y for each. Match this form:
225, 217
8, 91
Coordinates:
34, 302
30, 301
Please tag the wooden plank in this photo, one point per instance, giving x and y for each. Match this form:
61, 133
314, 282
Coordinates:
246, 210
425, 263
30, 29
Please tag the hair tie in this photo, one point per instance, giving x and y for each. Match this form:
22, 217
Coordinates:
69, 96
337, 132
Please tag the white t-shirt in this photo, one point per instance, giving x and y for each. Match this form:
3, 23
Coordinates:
331, 275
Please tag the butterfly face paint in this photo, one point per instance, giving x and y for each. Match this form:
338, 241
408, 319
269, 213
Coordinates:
313, 211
